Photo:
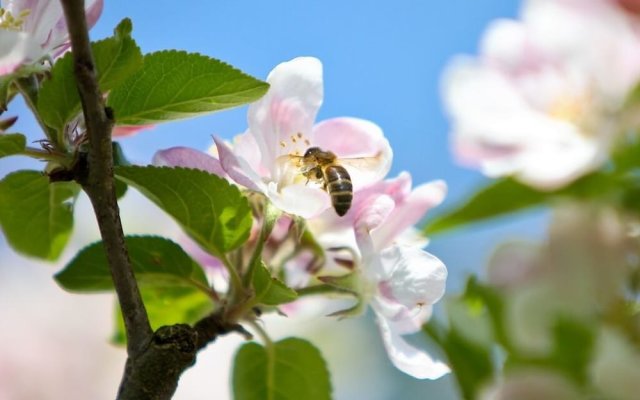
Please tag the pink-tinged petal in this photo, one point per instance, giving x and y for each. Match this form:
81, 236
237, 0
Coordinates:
129, 130
16, 48
188, 158
406, 358
405, 321
356, 138
246, 147
372, 214
237, 168
414, 278
94, 10
197, 253
45, 22
289, 107
408, 211
301, 200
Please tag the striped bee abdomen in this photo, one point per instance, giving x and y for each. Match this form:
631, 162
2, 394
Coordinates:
338, 185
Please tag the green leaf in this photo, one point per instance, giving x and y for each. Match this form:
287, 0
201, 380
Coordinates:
36, 216
174, 287
211, 210
58, 99
168, 306
502, 197
116, 58
5, 85
176, 84
119, 159
506, 196
290, 369
471, 364
573, 348
10, 144
156, 262
269, 290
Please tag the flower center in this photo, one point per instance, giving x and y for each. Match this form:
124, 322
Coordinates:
13, 23
581, 111
569, 108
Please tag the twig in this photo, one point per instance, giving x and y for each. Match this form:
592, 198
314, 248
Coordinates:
99, 182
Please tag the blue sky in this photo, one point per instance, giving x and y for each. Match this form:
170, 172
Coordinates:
382, 61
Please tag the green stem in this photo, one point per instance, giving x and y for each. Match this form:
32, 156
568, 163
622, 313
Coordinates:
29, 88
270, 216
236, 281
44, 155
262, 333
209, 291
321, 289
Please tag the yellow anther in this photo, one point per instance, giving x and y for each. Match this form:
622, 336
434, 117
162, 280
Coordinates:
9, 22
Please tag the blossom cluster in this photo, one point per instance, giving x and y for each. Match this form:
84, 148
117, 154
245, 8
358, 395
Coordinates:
545, 101
32, 30
373, 244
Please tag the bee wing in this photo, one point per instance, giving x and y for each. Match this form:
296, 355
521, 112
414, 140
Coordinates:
365, 170
362, 163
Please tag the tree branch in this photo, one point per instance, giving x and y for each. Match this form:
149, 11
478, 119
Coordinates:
98, 183
156, 359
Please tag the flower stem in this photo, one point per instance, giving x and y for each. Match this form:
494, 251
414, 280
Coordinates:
236, 282
320, 289
262, 333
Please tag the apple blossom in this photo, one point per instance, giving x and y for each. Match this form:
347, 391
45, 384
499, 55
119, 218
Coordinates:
282, 124
532, 385
31, 30
543, 100
398, 279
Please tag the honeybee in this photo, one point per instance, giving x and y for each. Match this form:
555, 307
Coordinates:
322, 166
325, 167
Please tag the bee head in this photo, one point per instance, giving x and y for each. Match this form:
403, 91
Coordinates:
312, 152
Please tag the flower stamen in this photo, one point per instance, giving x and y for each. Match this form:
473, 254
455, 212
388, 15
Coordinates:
9, 22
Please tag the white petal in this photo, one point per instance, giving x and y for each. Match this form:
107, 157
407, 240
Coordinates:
301, 200
407, 358
289, 107
414, 277
16, 48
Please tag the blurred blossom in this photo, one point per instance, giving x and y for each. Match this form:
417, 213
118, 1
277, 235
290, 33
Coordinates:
532, 385
579, 273
543, 101
31, 30
513, 264
615, 369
